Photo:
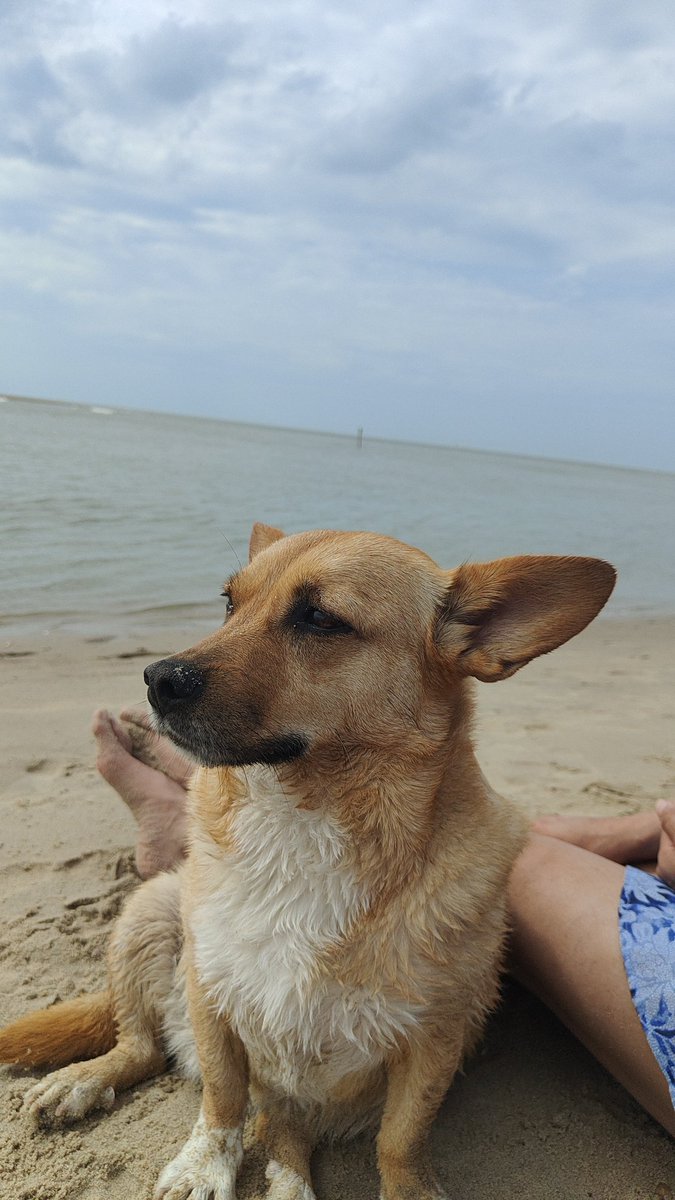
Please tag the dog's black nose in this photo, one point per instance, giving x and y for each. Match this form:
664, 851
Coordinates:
172, 682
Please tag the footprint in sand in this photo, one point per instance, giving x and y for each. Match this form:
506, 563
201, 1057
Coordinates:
38, 764
663, 760
599, 788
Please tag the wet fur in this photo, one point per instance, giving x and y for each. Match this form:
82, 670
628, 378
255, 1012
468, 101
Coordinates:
332, 947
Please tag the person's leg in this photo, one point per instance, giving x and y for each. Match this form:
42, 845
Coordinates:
641, 838
629, 839
151, 777
564, 905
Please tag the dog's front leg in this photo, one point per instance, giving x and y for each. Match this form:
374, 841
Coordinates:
282, 1132
208, 1163
416, 1084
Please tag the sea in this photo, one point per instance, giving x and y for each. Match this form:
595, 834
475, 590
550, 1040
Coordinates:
117, 521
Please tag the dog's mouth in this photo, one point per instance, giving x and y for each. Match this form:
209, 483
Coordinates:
207, 748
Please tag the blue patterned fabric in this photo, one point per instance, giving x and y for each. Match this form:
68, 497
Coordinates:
647, 932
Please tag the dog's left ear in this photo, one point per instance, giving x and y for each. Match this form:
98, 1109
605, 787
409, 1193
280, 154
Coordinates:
497, 616
262, 536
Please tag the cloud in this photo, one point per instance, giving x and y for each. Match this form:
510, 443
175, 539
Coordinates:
431, 196
179, 62
171, 65
376, 139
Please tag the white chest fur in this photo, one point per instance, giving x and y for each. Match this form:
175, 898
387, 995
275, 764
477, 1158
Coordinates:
278, 902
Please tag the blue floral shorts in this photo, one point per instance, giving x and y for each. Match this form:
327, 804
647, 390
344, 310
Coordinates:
647, 933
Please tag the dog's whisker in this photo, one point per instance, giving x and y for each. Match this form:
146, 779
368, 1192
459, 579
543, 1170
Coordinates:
409, 716
224, 535
345, 750
279, 781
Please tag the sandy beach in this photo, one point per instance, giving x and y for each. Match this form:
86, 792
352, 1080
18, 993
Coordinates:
588, 729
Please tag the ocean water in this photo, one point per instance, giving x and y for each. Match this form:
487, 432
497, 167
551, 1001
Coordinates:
120, 521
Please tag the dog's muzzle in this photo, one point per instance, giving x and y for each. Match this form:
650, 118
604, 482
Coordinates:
172, 683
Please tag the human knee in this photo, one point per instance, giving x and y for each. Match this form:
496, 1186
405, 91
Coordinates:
540, 861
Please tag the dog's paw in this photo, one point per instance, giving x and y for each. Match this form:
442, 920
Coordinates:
66, 1096
205, 1169
286, 1184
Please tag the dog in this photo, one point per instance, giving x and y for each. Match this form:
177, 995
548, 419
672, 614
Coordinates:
330, 950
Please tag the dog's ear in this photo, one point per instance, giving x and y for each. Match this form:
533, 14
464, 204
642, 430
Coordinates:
497, 616
262, 536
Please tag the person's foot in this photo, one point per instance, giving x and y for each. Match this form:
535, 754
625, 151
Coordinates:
150, 748
665, 863
151, 777
627, 839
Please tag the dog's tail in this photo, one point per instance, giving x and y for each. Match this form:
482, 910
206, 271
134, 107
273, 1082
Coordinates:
82, 1028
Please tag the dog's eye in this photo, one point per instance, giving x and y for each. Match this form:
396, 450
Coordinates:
322, 621
229, 606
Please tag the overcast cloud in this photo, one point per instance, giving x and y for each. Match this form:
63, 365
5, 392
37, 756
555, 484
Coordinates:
445, 220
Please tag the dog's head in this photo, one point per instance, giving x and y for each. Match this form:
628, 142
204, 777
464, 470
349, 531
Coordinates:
339, 639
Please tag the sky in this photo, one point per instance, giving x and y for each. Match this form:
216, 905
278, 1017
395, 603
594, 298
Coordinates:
441, 220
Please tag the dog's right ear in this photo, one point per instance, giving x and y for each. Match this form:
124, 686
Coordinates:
262, 536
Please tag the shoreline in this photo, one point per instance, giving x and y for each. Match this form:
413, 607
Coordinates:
151, 624
586, 728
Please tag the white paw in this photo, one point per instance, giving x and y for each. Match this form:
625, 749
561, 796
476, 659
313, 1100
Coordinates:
66, 1096
205, 1169
286, 1184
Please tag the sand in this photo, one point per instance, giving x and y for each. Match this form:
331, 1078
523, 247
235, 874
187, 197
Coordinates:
588, 729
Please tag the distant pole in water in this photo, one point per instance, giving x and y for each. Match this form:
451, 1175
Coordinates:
359, 437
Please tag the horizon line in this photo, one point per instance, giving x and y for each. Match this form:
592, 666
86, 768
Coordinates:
163, 412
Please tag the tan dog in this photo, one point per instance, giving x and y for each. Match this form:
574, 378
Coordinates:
337, 932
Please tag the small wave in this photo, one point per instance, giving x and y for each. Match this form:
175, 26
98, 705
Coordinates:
186, 607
